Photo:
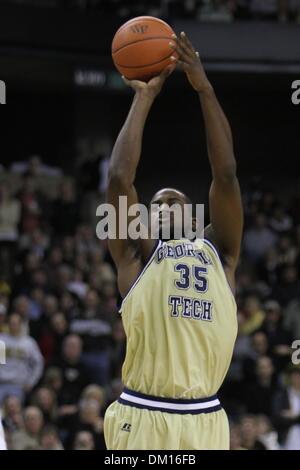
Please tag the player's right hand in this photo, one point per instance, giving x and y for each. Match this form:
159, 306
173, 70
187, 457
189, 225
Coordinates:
153, 87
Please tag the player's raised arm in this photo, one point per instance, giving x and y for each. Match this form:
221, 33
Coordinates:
125, 158
224, 197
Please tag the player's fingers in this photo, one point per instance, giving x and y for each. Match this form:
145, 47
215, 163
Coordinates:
182, 54
167, 71
186, 40
127, 82
182, 65
179, 62
184, 46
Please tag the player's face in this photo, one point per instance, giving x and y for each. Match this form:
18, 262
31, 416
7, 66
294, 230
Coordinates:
167, 212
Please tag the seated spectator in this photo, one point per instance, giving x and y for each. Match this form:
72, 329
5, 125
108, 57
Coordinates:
249, 434
65, 211
258, 394
3, 324
52, 337
29, 437
288, 287
259, 348
252, 315
88, 418
291, 320
235, 437
94, 392
95, 332
286, 409
84, 440
279, 338
74, 373
45, 399
266, 433
24, 362
50, 439
12, 414
258, 239
10, 213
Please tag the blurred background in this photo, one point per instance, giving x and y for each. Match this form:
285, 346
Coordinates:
67, 103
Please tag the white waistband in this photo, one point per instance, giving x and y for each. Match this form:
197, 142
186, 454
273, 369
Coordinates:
201, 405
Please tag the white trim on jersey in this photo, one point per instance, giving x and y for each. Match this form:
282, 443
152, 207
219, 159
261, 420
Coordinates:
170, 406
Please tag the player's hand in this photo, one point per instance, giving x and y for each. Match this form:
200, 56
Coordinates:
153, 87
189, 60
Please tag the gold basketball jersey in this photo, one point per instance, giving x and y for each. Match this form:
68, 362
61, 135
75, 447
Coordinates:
180, 321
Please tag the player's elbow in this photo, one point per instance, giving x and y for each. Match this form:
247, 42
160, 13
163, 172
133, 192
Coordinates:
226, 174
118, 178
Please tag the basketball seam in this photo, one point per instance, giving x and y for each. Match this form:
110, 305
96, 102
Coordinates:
141, 40
154, 20
143, 66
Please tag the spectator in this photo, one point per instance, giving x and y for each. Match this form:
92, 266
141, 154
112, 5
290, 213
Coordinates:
288, 288
24, 362
29, 437
3, 325
260, 392
259, 348
32, 206
278, 337
84, 440
10, 212
73, 370
45, 399
235, 437
253, 315
249, 434
95, 332
287, 411
266, 433
88, 419
12, 414
65, 211
259, 239
50, 439
291, 319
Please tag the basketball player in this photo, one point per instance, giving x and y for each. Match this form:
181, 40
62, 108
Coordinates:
178, 308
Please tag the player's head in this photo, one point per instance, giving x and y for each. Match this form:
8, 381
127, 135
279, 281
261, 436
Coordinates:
170, 209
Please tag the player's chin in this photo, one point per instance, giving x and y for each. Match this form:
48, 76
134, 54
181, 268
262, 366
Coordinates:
166, 231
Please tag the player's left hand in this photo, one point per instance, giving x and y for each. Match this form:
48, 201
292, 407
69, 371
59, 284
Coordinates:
189, 60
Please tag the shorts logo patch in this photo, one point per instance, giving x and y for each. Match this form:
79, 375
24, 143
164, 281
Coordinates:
126, 427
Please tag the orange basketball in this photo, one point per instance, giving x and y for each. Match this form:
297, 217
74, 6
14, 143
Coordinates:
140, 48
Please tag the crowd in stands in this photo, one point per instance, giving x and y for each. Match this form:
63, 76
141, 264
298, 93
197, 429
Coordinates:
202, 10
65, 340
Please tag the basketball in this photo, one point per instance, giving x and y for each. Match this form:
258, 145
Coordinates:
141, 49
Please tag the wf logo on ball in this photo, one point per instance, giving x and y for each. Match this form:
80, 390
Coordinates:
139, 28
2, 92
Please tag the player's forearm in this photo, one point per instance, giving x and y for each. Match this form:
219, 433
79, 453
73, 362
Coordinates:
218, 135
127, 150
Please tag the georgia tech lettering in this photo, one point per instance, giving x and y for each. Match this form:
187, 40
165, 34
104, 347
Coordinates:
196, 276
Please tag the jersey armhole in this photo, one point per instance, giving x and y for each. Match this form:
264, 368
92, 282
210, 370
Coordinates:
120, 299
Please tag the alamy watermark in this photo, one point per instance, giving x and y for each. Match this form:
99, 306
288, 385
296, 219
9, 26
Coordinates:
296, 93
138, 221
2, 92
296, 353
2, 353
